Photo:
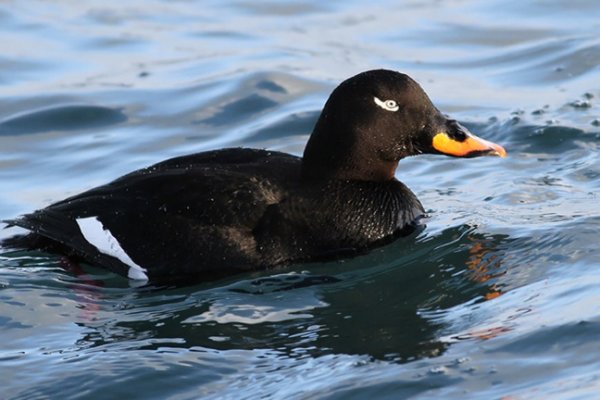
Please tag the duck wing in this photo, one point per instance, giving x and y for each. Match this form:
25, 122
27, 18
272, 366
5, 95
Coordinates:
188, 215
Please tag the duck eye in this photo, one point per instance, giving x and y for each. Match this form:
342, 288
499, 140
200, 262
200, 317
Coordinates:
388, 105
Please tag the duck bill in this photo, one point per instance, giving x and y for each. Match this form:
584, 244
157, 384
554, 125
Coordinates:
469, 146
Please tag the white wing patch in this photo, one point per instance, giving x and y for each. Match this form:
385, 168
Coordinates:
388, 105
93, 231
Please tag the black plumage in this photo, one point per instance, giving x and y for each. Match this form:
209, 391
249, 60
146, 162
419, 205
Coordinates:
217, 212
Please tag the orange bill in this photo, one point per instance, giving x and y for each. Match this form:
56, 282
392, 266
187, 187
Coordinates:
472, 146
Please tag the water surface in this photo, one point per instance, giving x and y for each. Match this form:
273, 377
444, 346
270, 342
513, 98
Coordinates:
497, 296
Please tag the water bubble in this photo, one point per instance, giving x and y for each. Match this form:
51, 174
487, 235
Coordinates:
360, 363
580, 104
438, 370
219, 338
462, 360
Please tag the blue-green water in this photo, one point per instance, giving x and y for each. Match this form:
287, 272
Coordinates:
498, 297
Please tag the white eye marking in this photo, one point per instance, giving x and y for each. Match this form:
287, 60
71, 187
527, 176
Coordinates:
93, 231
388, 105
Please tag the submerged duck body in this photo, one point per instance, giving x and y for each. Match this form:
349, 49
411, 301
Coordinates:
218, 212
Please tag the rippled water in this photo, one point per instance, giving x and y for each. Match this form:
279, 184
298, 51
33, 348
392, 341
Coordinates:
497, 296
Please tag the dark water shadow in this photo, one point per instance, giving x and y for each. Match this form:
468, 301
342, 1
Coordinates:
518, 135
292, 125
61, 118
377, 305
240, 110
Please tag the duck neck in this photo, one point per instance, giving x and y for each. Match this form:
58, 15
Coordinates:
329, 156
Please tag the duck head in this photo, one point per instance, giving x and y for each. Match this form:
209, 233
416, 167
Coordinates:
373, 120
